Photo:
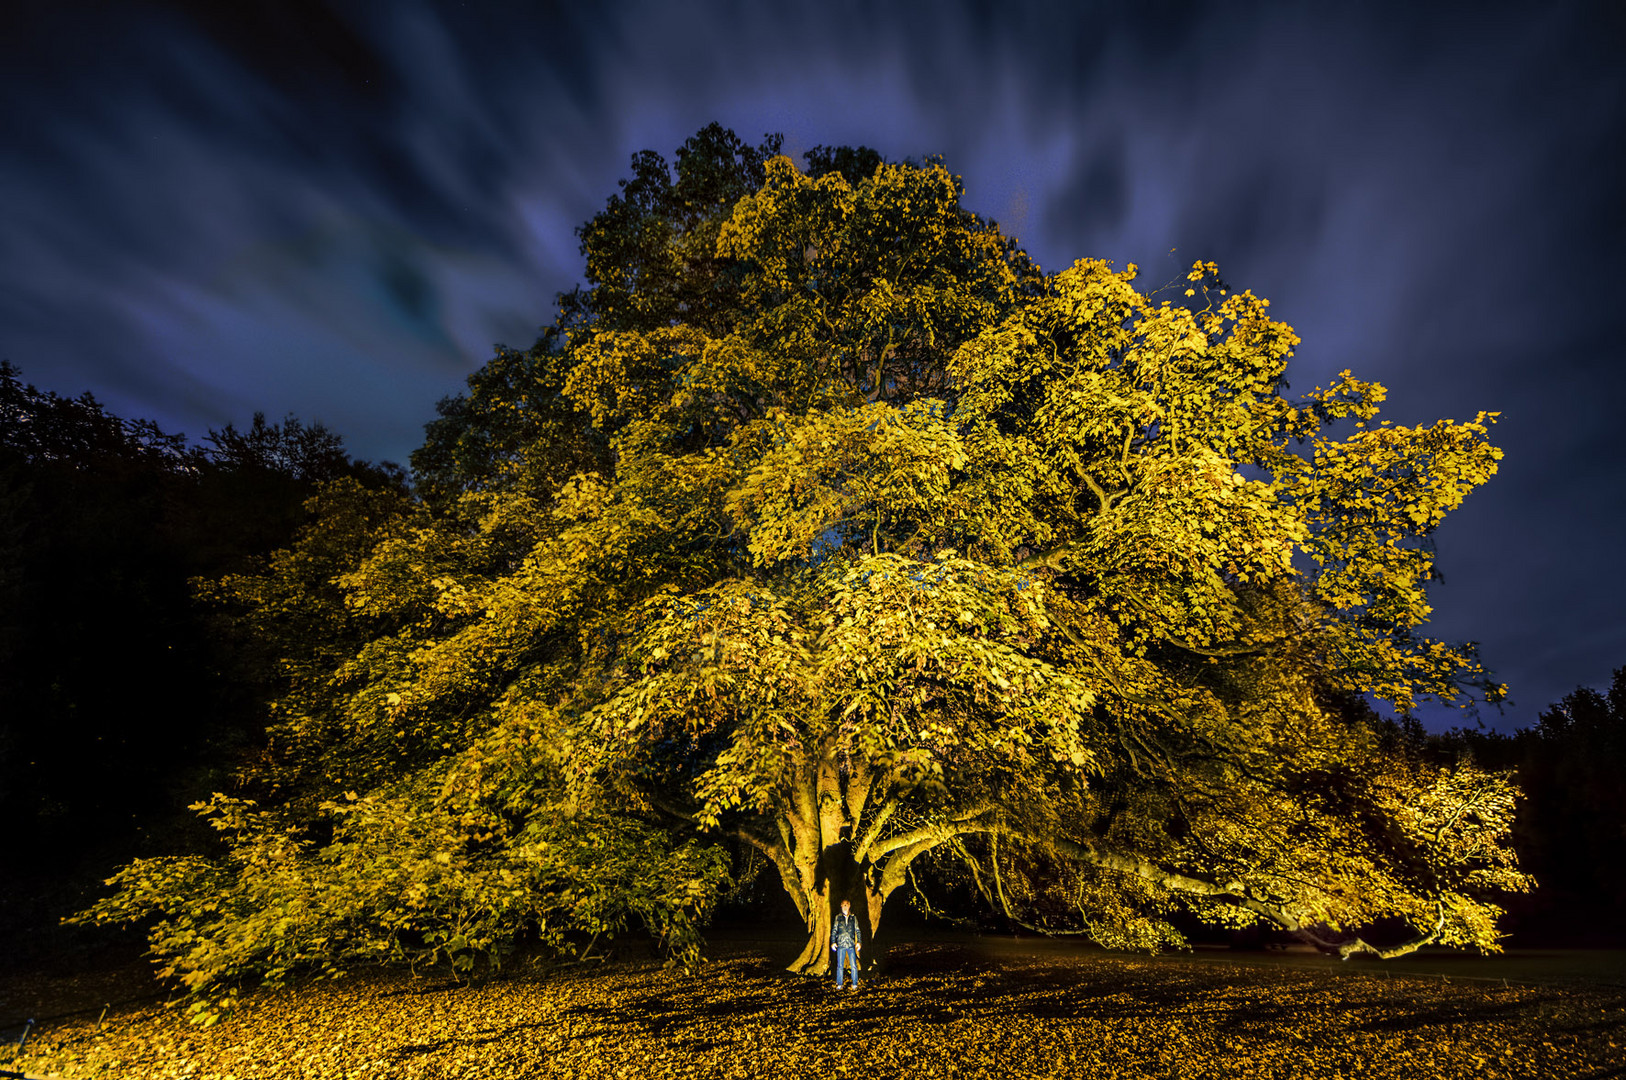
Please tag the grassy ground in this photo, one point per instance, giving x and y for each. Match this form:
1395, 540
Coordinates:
944, 1009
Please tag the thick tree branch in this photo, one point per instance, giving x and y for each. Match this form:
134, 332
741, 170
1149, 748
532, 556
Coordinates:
902, 850
1102, 495
784, 863
1359, 947
937, 832
1049, 558
856, 793
877, 822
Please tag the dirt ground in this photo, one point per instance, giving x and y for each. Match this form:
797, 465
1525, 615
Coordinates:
968, 1007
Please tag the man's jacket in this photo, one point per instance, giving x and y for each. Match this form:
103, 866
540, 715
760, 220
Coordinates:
844, 934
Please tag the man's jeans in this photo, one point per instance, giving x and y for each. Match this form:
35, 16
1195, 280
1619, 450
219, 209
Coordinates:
850, 958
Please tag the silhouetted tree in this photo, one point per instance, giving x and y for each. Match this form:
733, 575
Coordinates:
1571, 827
115, 686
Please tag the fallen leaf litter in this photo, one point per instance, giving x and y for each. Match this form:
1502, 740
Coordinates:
941, 1011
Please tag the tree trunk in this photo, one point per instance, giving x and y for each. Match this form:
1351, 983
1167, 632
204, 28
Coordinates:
815, 956
834, 878
874, 900
829, 854
842, 879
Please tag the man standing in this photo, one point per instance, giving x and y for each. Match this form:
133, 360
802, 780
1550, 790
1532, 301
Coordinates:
846, 941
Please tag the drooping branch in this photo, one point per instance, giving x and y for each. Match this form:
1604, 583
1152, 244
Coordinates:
1359, 947
999, 879
1232, 892
999, 889
1235, 893
931, 912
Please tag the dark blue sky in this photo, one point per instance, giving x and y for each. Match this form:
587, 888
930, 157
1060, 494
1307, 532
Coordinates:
336, 210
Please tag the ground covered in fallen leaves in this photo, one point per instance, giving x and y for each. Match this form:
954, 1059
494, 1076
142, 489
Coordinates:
942, 1009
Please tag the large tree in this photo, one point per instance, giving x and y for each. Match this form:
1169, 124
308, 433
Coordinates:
826, 523
1050, 565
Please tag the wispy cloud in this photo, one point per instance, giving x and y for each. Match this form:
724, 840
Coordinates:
212, 209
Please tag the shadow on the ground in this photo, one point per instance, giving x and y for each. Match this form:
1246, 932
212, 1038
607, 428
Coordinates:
936, 984
938, 1007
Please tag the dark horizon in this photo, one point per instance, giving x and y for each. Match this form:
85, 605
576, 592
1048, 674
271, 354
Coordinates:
335, 211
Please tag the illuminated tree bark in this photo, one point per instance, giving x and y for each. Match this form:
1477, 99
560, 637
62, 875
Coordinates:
836, 851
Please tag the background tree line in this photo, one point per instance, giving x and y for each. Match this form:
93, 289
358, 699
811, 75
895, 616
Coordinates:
1571, 828
122, 696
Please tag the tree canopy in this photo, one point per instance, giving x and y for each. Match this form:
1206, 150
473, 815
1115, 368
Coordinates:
823, 525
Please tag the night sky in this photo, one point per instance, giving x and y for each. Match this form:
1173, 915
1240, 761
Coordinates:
335, 211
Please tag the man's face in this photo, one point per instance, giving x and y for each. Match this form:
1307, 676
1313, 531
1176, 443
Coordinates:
846, 907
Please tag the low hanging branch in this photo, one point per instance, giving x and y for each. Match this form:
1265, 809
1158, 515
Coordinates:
1235, 893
